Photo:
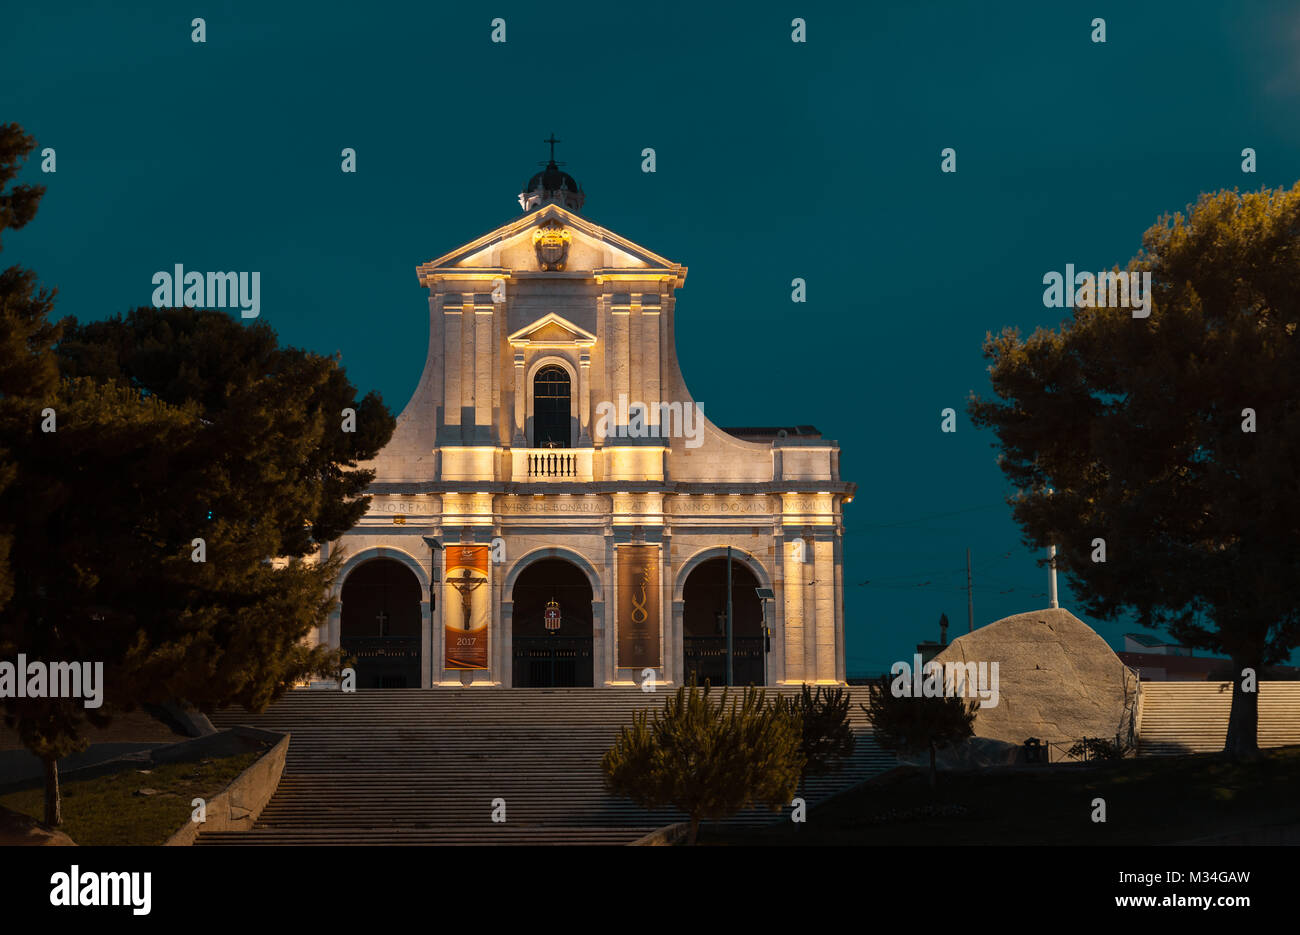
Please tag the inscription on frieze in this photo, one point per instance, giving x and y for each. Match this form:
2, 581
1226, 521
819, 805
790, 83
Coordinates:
399, 506
808, 505
534, 505
718, 505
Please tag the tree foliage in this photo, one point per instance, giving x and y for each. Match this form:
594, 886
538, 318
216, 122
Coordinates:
707, 758
826, 737
28, 372
1133, 431
171, 426
915, 724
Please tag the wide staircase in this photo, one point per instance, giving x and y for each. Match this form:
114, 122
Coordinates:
1192, 717
412, 766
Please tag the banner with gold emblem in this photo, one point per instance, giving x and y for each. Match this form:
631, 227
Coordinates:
467, 606
637, 617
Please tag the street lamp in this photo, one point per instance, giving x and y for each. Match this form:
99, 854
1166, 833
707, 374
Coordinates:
765, 595
434, 547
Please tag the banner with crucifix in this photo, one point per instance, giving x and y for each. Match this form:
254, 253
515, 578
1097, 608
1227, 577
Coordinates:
467, 606
637, 617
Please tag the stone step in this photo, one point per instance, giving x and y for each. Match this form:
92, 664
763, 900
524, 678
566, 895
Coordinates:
422, 766
1192, 717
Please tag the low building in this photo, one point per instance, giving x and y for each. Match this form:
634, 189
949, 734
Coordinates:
1159, 660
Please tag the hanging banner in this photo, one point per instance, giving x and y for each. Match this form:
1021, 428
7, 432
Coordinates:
637, 617
467, 606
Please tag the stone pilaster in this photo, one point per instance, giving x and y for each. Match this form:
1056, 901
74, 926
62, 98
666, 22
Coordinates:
468, 375
793, 631
453, 355
584, 399
507, 643
619, 387
520, 439
807, 583
650, 379
484, 369
606, 672
636, 348
824, 604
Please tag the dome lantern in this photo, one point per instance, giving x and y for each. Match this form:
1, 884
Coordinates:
552, 186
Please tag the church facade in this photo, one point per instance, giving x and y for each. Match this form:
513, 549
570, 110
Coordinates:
554, 508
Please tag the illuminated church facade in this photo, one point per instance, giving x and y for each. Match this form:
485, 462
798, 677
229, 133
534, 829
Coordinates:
553, 507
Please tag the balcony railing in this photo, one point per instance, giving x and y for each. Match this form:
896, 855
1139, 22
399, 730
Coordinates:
552, 464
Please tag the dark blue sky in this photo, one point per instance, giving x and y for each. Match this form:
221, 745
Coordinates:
775, 160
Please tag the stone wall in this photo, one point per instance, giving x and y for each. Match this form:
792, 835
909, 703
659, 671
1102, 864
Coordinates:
237, 806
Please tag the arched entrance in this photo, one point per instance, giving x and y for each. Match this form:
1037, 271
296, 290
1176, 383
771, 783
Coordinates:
379, 624
552, 658
704, 624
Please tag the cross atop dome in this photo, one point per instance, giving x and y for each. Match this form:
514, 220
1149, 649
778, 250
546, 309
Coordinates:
552, 186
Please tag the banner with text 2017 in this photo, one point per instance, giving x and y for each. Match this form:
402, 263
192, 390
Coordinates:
638, 606
467, 604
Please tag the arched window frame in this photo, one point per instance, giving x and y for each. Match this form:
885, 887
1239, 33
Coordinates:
531, 381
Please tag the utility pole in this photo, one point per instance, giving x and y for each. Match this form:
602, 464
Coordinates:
1051, 576
730, 680
970, 598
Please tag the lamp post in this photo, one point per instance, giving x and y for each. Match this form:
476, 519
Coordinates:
765, 595
434, 548
1051, 577
730, 678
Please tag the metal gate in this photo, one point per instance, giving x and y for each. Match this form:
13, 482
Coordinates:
706, 659
552, 661
385, 661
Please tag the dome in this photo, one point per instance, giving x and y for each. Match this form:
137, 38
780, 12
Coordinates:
551, 179
552, 186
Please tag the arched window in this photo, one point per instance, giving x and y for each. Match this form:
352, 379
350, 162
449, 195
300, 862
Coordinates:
551, 408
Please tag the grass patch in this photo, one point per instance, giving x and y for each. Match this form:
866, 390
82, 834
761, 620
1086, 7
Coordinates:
1148, 801
106, 809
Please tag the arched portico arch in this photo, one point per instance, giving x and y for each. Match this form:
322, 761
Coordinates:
700, 617
540, 654
740, 556
406, 558
382, 618
569, 555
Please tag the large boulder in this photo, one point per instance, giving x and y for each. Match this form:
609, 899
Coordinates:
1057, 679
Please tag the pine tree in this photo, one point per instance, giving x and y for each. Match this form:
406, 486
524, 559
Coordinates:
28, 371
826, 735
170, 426
706, 758
913, 724
1173, 439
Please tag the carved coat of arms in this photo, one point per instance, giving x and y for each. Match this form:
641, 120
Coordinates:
551, 241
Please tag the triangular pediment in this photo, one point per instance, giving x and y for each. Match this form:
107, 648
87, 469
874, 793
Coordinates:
552, 331
511, 247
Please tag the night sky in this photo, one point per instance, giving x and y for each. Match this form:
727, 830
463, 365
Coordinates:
775, 160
